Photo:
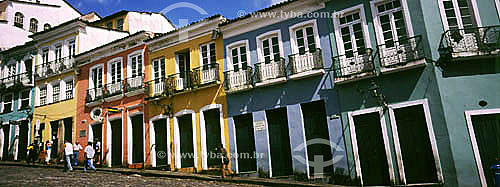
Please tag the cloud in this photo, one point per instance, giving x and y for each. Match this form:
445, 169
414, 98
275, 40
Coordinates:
273, 2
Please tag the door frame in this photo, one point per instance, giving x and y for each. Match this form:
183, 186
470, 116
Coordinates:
177, 137
153, 137
430, 129
109, 137
477, 156
204, 156
384, 136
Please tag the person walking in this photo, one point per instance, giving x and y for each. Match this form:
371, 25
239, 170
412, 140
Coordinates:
31, 153
49, 151
98, 159
89, 156
76, 152
68, 153
224, 162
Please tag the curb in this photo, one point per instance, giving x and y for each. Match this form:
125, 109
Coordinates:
149, 173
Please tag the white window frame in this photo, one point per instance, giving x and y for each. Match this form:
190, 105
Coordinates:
430, 129
21, 99
260, 46
56, 45
11, 102
65, 83
52, 85
33, 25
475, 148
42, 54
378, 27
67, 46
338, 35
46, 87
129, 62
229, 58
91, 80
158, 60
354, 140
475, 12
208, 53
497, 3
293, 40
109, 73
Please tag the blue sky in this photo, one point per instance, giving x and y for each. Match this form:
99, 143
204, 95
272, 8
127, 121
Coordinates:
228, 8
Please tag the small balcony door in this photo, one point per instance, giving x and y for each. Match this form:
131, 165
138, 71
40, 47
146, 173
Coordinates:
158, 76
184, 66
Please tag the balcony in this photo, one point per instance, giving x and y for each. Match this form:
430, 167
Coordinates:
403, 54
113, 91
179, 82
236, 81
306, 65
94, 96
270, 73
54, 67
18, 81
355, 66
135, 85
156, 88
205, 75
460, 44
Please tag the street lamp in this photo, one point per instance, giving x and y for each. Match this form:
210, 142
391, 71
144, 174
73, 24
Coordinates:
375, 93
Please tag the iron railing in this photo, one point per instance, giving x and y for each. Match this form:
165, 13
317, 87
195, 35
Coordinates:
305, 62
23, 79
54, 67
135, 83
470, 42
113, 89
94, 94
180, 81
206, 74
350, 65
157, 88
271, 70
400, 52
234, 80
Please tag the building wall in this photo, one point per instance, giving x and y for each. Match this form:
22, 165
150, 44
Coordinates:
154, 22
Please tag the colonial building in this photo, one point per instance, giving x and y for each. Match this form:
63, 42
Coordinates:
281, 106
133, 21
186, 105
21, 18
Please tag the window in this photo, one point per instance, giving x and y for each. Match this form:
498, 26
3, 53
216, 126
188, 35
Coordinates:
96, 77
11, 71
45, 55
109, 25
239, 57
33, 25
24, 97
115, 72
7, 103
56, 93
208, 55
58, 52
43, 96
19, 19
136, 66
71, 48
270, 47
305, 38
159, 68
46, 27
69, 89
391, 22
458, 14
350, 31
119, 24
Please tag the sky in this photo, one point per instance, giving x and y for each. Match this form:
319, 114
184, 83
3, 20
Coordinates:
228, 8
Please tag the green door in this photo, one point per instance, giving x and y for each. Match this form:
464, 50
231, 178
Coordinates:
487, 132
213, 136
279, 140
186, 141
245, 142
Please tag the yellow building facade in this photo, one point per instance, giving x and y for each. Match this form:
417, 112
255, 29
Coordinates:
187, 97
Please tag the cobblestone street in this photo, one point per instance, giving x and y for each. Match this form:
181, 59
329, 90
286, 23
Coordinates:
29, 176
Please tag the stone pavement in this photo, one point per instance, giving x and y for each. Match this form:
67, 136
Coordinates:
125, 176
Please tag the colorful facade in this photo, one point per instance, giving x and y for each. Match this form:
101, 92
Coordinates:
186, 105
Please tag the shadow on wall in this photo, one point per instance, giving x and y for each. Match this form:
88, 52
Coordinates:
477, 67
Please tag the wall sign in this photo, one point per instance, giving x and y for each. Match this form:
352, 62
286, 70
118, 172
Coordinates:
259, 125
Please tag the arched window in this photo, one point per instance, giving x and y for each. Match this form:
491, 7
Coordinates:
18, 19
46, 26
33, 25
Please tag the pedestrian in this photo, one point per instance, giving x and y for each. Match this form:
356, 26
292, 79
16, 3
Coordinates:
76, 152
89, 155
49, 151
98, 149
68, 153
224, 161
36, 152
31, 153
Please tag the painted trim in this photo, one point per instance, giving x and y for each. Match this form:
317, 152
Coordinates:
475, 11
208, 53
229, 54
153, 137
91, 82
430, 130
303, 124
378, 27
129, 61
269, 35
336, 22
475, 148
11, 102
268, 143
204, 151
497, 3
236, 164
384, 135
177, 137
293, 38
108, 72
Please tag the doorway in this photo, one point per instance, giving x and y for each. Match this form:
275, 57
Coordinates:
186, 140
6, 142
371, 149
486, 131
97, 132
68, 129
54, 126
116, 142
160, 128
279, 140
184, 65
137, 139
245, 143
23, 140
213, 137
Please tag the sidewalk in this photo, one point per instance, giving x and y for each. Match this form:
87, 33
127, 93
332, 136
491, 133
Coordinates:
169, 174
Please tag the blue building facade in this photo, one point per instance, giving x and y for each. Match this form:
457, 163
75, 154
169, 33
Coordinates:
16, 90
281, 107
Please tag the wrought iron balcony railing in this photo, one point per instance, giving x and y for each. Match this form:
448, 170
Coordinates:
270, 70
180, 81
54, 67
308, 61
238, 80
135, 83
23, 79
470, 42
356, 63
400, 52
206, 74
113, 89
94, 95
157, 88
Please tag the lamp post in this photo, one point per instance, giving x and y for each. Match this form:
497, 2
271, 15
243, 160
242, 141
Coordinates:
375, 93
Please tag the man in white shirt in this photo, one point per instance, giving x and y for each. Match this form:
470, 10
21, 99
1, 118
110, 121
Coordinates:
76, 152
68, 153
89, 155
